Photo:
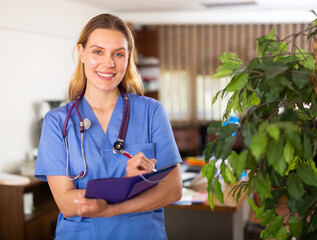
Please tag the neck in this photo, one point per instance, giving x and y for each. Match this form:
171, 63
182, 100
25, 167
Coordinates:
102, 99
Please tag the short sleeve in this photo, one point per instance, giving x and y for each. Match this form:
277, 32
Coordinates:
166, 149
51, 159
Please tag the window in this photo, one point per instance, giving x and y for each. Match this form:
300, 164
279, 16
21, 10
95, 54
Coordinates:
189, 57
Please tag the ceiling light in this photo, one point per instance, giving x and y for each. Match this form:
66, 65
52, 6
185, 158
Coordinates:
225, 3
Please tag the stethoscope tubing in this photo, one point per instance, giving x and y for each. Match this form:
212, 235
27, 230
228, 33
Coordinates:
125, 117
118, 146
74, 105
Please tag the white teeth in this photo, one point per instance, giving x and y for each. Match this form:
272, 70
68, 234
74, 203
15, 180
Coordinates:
106, 74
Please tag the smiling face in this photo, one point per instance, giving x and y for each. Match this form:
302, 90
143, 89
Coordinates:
105, 58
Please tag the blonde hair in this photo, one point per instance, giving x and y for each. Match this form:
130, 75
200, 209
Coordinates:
132, 81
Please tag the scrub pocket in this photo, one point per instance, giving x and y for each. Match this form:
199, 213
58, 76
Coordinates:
69, 229
147, 226
115, 164
147, 148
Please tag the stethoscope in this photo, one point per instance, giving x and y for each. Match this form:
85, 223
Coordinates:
85, 124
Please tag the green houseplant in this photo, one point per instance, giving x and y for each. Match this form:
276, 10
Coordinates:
275, 93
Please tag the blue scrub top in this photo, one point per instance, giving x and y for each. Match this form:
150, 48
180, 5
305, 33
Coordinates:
149, 131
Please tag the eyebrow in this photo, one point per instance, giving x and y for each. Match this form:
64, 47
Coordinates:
96, 46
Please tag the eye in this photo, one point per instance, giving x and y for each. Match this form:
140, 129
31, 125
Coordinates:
97, 52
119, 54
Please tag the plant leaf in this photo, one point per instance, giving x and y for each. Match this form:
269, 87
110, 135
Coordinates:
272, 230
222, 74
273, 69
209, 170
307, 174
258, 145
293, 223
229, 65
208, 151
224, 147
214, 127
255, 208
293, 137
214, 99
292, 165
307, 146
275, 156
301, 79
281, 234
229, 57
227, 130
237, 82
270, 35
255, 100
211, 199
238, 162
267, 216
227, 174
247, 132
280, 166
312, 224
263, 186
307, 59
274, 151
271, 203
288, 152
237, 103
273, 46
273, 131
218, 190
294, 186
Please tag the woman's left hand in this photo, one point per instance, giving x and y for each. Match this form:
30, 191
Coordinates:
92, 207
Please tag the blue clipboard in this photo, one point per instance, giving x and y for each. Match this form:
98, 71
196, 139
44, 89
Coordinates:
116, 190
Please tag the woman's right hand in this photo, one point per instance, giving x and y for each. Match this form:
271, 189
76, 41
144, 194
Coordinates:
139, 164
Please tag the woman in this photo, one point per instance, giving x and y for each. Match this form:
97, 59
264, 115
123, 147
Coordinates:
105, 67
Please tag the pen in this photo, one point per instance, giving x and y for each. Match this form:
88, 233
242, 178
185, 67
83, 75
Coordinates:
130, 156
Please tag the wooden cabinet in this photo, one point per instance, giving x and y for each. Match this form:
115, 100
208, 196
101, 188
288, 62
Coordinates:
40, 224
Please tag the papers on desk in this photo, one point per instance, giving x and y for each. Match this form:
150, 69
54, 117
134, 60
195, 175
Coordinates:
194, 188
12, 179
194, 164
191, 197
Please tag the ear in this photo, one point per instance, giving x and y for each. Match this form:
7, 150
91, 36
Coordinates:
80, 50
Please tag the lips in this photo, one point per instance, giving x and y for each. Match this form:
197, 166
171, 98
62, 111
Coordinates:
106, 75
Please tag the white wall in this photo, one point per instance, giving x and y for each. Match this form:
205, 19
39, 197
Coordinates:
37, 38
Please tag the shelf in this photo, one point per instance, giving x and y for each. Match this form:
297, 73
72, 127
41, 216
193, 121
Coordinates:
41, 210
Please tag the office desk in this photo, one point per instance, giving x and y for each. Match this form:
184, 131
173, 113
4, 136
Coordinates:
198, 221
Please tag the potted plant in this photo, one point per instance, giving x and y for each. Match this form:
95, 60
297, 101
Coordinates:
276, 96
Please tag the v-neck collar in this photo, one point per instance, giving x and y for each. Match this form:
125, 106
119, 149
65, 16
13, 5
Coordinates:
104, 140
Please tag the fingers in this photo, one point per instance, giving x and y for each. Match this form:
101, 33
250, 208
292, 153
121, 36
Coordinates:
153, 162
145, 163
139, 164
89, 207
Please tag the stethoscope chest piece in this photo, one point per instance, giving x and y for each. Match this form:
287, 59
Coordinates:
87, 123
117, 146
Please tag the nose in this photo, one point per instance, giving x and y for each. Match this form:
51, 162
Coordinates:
108, 61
